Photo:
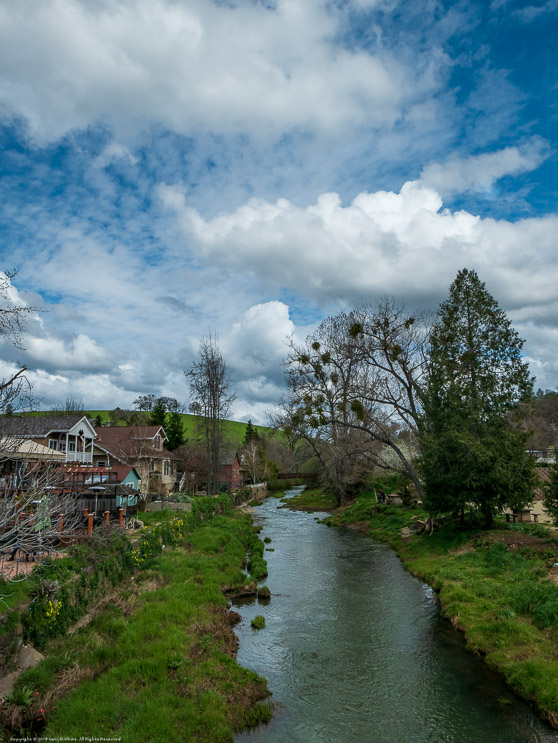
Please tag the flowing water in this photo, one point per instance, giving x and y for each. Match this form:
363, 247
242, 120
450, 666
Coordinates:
355, 649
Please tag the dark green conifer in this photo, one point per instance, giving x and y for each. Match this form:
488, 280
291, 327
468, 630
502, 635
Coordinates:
158, 414
473, 446
250, 434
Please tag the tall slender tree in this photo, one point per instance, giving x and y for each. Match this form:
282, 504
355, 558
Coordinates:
211, 398
174, 426
158, 414
473, 446
250, 433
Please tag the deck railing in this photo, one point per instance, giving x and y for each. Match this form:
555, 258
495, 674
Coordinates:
79, 456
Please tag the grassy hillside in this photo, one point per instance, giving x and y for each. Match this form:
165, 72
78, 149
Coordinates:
234, 430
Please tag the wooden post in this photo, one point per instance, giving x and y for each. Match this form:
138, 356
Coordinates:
107, 516
60, 523
120, 516
89, 524
85, 514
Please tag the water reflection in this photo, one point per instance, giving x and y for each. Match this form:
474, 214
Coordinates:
355, 650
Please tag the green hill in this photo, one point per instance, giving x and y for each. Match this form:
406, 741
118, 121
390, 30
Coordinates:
234, 430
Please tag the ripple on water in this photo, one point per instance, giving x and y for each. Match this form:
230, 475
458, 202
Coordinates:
355, 650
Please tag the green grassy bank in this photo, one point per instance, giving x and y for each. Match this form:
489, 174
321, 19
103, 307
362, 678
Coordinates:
499, 587
155, 659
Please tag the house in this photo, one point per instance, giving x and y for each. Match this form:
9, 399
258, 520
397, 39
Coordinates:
70, 435
140, 448
23, 462
231, 471
104, 488
127, 475
77, 478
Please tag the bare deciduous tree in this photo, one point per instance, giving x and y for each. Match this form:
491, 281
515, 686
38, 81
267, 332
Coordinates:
69, 406
35, 510
15, 389
211, 399
355, 388
30, 502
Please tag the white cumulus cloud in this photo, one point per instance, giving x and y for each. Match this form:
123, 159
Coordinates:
195, 66
480, 172
404, 244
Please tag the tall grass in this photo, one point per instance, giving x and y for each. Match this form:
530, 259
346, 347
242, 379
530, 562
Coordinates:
158, 664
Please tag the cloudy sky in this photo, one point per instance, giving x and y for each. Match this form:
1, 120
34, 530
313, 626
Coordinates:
246, 167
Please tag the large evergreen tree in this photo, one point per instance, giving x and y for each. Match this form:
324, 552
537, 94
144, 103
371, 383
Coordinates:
473, 447
250, 434
174, 427
158, 414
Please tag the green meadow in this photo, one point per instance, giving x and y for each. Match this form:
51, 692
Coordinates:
156, 662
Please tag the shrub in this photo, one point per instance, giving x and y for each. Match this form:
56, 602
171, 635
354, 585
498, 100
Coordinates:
21, 697
258, 622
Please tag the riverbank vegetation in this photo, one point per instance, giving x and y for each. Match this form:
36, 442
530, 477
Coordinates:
154, 660
312, 499
499, 586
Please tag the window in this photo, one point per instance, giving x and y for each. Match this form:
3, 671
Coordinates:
167, 468
53, 444
71, 445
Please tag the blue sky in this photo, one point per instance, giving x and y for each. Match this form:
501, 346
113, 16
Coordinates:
247, 167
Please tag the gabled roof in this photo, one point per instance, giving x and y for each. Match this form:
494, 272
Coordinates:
41, 426
13, 447
132, 442
127, 449
228, 458
123, 470
111, 434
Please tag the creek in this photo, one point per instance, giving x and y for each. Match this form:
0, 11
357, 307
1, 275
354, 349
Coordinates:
355, 649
